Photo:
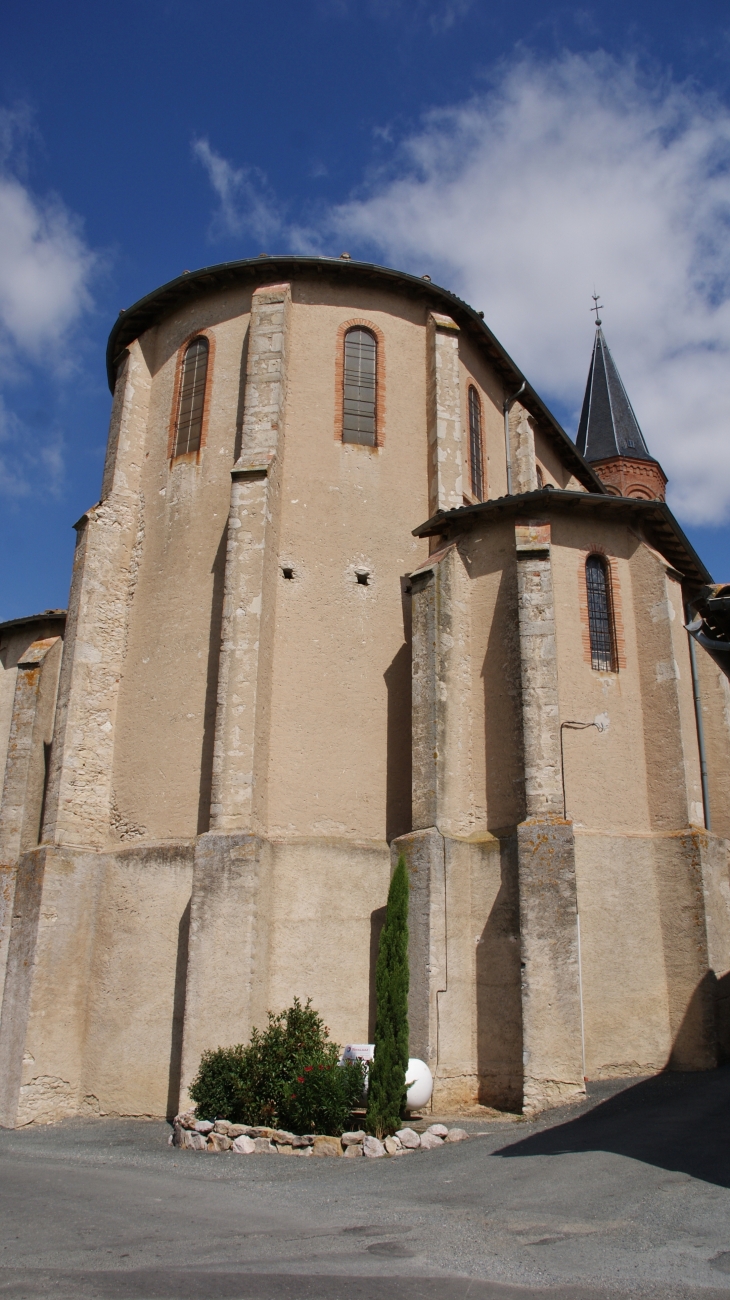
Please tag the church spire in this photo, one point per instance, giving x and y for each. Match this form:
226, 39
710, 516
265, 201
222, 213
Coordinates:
608, 433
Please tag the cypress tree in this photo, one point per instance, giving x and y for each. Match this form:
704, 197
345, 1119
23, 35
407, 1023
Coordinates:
387, 1087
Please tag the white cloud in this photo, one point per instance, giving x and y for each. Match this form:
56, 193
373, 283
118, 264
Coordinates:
45, 272
246, 205
45, 265
566, 175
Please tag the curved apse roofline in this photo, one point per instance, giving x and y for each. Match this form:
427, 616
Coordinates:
148, 311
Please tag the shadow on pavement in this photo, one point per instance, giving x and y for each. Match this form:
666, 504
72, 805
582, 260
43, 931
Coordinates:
675, 1121
192, 1284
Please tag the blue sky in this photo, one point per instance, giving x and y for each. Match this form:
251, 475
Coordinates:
520, 153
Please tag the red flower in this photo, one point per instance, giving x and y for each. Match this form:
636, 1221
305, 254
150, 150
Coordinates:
293, 1097
310, 1067
300, 1078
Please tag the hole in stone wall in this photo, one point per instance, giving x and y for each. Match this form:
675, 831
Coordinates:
288, 573
363, 578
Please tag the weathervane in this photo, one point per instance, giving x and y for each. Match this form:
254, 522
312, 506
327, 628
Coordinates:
597, 306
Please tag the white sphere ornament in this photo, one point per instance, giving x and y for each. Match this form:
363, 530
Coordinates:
419, 1082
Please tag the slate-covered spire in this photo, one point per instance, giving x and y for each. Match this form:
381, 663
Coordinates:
608, 425
609, 435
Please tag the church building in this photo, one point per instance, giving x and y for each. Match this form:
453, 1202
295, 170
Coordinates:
350, 591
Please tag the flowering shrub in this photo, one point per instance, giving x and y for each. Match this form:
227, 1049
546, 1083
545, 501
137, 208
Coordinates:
287, 1077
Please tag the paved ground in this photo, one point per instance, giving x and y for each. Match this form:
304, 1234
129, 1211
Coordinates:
628, 1195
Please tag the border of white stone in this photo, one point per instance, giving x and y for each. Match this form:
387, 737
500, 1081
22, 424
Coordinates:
192, 1134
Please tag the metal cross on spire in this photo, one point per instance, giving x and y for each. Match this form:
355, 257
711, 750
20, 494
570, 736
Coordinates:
597, 306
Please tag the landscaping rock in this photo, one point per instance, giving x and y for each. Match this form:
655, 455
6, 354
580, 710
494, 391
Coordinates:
192, 1141
262, 1132
373, 1148
409, 1138
262, 1146
204, 1126
354, 1150
238, 1130
429, 1141
282, 1138
353, 1139
326, 1146
219, 1142
440, 1130
456, 1135
393, 1146
187, 1119
243, 1146
221, 1126
305, 1141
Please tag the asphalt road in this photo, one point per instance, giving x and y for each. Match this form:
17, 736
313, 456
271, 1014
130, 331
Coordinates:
628, 1195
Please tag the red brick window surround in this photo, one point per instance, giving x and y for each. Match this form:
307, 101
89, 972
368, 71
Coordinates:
604, 645
190, 403
360, 385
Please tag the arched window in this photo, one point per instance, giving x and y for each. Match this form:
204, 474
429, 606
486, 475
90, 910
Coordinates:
475, 444
540, 479
600, 616
359, 395
192, 397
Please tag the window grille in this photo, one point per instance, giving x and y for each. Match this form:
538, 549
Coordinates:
359, 397
600, 621
192, 397
475, 444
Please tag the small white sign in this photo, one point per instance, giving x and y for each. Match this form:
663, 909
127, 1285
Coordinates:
359, 1052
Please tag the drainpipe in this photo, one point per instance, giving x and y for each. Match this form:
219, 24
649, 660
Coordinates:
700, 724
506, 407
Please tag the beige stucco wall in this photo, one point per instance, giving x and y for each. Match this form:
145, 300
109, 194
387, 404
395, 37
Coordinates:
166, 711
605, 778
632, 787
715, 693
342, 507
474, 368
345, 507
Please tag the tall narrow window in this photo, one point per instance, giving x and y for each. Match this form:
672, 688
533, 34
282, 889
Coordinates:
192, 397
359, 397
475, 444
600, 621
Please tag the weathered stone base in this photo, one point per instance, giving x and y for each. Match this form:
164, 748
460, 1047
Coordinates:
91, 1012
551, 994
464, 1004
104, 948
123, 967
655, 946
276, 919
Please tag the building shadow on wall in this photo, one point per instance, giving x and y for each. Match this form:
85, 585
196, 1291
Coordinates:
504, 762
178, 1015
499, 1000
377, 921
398, 684
211, 685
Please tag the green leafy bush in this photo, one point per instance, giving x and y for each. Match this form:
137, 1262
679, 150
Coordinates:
387, 1091
287, 1077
